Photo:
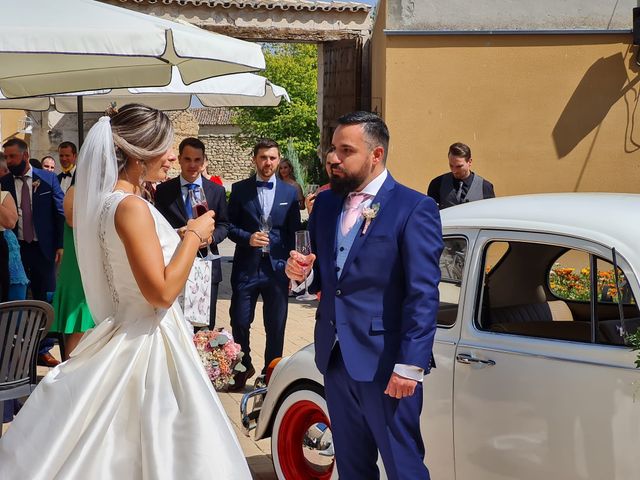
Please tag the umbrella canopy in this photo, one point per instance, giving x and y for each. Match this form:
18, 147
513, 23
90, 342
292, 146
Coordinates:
51, 47
241, 89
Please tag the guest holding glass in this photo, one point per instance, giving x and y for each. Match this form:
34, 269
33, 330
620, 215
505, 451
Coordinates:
173, 200
264, 215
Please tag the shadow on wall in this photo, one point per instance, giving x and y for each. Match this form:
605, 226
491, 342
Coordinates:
601, 87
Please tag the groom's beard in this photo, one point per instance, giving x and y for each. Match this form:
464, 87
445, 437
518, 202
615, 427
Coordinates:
348, 182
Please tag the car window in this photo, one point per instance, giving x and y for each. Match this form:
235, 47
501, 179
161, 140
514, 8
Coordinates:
544, 290
451, 276
612, 330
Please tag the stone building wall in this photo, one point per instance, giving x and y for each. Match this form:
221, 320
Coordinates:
227, 157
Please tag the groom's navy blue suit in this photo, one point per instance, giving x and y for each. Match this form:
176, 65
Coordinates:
378, 311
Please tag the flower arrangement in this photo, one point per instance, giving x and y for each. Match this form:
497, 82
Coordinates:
220, 356
369, 213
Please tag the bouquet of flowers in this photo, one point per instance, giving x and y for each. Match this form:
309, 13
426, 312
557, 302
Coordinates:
220, 356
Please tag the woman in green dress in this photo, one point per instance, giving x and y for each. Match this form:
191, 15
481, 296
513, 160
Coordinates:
72, 315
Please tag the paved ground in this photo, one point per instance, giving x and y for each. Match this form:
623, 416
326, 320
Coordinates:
298, 334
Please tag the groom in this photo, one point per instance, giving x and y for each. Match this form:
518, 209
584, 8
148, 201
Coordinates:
378, 245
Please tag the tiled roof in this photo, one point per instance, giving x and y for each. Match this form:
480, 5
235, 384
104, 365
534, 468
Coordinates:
311, 5
213, 116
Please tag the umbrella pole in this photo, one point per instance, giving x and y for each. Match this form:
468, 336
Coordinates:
80, 110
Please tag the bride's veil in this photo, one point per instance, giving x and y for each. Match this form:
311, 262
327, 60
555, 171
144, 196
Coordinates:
96, 176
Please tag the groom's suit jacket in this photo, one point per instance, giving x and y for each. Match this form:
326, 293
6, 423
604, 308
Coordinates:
170, 204
46, 205
382, 307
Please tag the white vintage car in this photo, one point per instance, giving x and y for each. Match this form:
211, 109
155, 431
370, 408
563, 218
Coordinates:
533, 379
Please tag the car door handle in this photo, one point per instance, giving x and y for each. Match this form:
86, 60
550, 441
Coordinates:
468, 360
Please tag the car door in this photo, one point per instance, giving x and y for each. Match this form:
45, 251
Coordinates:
535, 396
437, 412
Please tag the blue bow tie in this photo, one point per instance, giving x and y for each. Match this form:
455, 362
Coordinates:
267, 185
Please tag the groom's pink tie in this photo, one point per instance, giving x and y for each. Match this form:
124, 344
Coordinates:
351, 211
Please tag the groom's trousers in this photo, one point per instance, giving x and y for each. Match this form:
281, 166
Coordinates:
365, 420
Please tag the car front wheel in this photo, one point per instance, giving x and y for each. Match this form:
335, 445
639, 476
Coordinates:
301, 440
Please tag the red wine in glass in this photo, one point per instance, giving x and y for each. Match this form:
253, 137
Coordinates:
199, 207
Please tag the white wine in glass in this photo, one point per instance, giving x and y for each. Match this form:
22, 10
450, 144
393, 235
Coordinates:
265, 227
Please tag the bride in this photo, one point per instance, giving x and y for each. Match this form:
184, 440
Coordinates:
133, 401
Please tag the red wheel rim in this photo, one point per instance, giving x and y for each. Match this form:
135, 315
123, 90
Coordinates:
295, 423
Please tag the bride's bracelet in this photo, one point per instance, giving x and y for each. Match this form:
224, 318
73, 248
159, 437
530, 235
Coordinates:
196, 234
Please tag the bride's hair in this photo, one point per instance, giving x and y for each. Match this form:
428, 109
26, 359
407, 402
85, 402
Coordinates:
140, 132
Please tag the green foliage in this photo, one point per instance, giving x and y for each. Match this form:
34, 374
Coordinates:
299, 170
293, 66
634, 342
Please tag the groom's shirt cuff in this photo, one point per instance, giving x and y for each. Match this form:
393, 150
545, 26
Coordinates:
409, 371
299, 287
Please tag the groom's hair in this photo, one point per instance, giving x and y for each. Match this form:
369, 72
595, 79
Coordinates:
375, 130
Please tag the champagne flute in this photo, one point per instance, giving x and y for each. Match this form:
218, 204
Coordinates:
199, 206
265, 227
311, 188
303, 246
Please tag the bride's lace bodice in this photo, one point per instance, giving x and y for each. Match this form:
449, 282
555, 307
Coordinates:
125, 293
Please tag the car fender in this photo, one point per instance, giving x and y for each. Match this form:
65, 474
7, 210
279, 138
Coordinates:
298, 368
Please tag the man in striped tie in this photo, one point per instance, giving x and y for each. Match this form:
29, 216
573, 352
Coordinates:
38, 196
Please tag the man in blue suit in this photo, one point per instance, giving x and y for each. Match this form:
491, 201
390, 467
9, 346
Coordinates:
40, 225
378, 245
259, 259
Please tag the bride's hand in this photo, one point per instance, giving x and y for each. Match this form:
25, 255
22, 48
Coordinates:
203, 226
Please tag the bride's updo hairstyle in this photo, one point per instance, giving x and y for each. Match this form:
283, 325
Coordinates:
139, 133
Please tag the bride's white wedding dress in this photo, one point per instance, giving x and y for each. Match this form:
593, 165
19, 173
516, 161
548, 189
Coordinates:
133, 402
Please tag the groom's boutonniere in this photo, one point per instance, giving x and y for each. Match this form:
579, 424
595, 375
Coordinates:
369, 213
35, 185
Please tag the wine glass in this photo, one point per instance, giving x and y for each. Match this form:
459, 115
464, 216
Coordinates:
199, 206
265, 227
303, 246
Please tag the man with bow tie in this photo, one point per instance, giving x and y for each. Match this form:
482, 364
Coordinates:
461, 185
259, 259
377, 246
67, 154
40, 224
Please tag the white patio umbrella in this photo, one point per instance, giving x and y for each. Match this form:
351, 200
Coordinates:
240, 89
50, 47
